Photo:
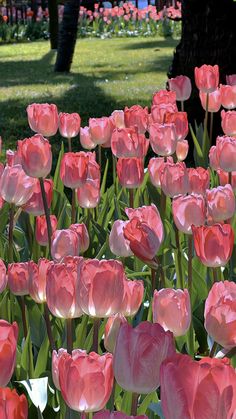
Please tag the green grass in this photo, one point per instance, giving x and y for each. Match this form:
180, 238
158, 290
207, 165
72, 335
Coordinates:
106, 75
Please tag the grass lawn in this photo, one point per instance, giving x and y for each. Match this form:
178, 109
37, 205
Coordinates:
106, 75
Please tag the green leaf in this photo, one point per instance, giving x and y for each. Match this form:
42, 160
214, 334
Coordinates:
104, 179
152, 397
58, 185
42, 359
198, 149
27, 365
156, 408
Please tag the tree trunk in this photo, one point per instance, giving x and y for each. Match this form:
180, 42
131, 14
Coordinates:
53, 23
67, 36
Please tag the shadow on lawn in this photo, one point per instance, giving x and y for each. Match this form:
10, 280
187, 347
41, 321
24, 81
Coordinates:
159, 43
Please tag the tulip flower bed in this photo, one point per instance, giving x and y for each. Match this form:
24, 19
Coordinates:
119, 301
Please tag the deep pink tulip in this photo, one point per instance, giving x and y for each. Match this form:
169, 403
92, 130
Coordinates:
34, 205
64, 243
85, 139
163, 138
213, 244
117, 241
180, 121
228, 122
174, 179
155, 167
43, 118
8, 347
3, 276
86, 380
83, 235
207, 78
41, 232
100, 130
214, 100
164, 96
89, 194
133, 297
172, 310
138, 355
69, 124
197, 389
18, 278
181, 85
136, 116
188, 210
15, 186
220, 314
111, 331
159, 112
117, 119
74, 169
214, 158
36, 156
12, 405
220, 203
127, 142
199, 180
231, 80
228, 96
37, 279
226, 153
105, 414
224, 178
182, 150
130, 172
61, 283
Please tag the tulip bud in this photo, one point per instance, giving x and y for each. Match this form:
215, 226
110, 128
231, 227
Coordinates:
34, 205
100, 130
136, 116
199, 180
83, 235
8, 346
155, 167
111, 331
64, 243
224, 178
214, 100
207, 78
188, 210
180, 121
37, 279
15, 186
56, 356
36, 156
228, 96
13, 158
18, 278
163, 138
133, 297
117, 119
127, 142
160, 112
12, 405
182, 150
3, 276
117, 242
220, 203
130, 172
41, 231
231, 80
174, 179
181, 85
164, 97
226, 153
74, 169
228, 122
85, 139
89, 194
69, 124
214, 158
43, 118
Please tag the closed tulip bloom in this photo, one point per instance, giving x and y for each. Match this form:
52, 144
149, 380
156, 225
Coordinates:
138, 355
127, 142
37, 279
111, 331
174, 179
181, 85
220, 314
199, 180
133, 297
12, 405
64, 243
36, 156
69, 124
164, 96
56, 356
130, 172
182, 150
188, 210
13, 157
86, 380
214, 158
101, 287
214, 100
220, 203
224, 178
83, 234
117, 119
228, 123
3, 276
43, 118
163, 138
100, 130
172, 310
213, 244
155, 167
148, 214
61, 283
159, 112
85, 139
116, 415
117, 241
136, 116
231, 80
89, 194
228, 96
8, 347
207, 78
74, 169
180, 121
197, 389
41, 231
226, 153
15, 186
18, 278
34, 205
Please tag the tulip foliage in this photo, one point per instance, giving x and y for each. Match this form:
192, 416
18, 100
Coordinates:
117, 272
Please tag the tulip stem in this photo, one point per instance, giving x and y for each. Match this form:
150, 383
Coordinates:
162, 274
163, 205
134, 405
205, 127
21, 301
213, 350
211, 126
10, 233
230, 178
48, 327
69, 336
100, 156
131, 198
114, 173
190, 266
153, 276
69, 144
179, 270
47, 212
214, 270
182, 105
73, 207
96, 324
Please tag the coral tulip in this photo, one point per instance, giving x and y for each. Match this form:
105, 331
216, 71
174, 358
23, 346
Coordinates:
56, 356
111, 331
155, 167
174, 179
89, 194
214, 158
182, 150
18, 278
199, 180
41, 231
100, 130
13, 157
207, 78
69, 124
220, 203
133, 297
117, 119
117, 241
130, 172
74, 169
188, 210
37, 279
163, 138
231, 80
85, 139
116, 415
15, 186
164, 96
43, 118
83, 234
8, 347
64, 243
228, 96
181, 85
12, 406
180, 121
214, 100
224, 178
136, 116
34, 205
36, 156
228, 122
159, 112
3, 276
226, 153
127, 142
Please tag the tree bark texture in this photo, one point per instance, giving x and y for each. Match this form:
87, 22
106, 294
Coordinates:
53, 23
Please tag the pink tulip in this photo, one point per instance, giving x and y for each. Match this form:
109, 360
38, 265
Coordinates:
213, 244
74, 169
182, 150
220, 314
159, 112
228, 96
86, 380
37, 279
61, 283
197, 389
199, 180
12, 405
13, 158
214, 100
127, 142
164, 96
41, 231
111, 331
155, 167
224, 178
231, 80
100, 130
3, 276
15, 186
116, 415
214, 158
181, 85
228, 122
56, 356
69, 124
172, 310
130, 172
8, 347
18, 278
83, 236
136, 116
36, 156
34, 205
188, 210
117, 242
133, 297
220, 203
138, 355
64, 243
207, 78
163, 138
180, 121
89, 194
43, 118
174, 179
226, 153
117, 119
85, 139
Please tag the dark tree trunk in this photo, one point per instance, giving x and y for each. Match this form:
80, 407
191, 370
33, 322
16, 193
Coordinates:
67, 36
53, 23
